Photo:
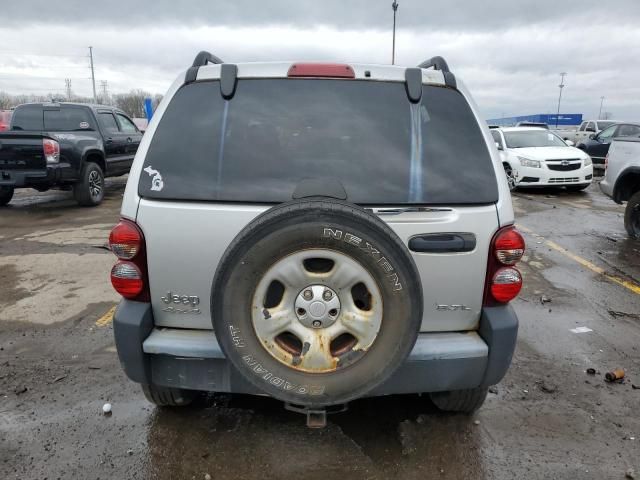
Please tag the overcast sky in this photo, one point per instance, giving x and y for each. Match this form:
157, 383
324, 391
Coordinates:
509, 53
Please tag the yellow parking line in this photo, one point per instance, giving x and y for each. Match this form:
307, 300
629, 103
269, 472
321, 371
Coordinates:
107, 318
628, 284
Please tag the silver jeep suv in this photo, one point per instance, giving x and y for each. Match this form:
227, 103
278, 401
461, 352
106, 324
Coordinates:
316, 233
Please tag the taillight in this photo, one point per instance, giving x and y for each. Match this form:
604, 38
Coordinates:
506, 284
508, 246
129, 275
126, 278
335, 70
51, 150
125, 240
503, 280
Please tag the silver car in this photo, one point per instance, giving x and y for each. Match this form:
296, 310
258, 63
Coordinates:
316, 233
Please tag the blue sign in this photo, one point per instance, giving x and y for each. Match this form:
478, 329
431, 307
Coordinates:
148, 108
564, 119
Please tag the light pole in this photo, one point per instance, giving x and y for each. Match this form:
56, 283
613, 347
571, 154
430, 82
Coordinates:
93, 76
561, 86
394, 5
600, 112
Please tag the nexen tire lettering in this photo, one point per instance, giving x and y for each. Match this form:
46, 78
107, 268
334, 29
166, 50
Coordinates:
281, 383
364, 245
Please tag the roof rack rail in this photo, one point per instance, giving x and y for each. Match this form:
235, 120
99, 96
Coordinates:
205, 57
202, 59
439, 63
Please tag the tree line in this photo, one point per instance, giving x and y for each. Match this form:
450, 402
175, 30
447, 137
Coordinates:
132, 103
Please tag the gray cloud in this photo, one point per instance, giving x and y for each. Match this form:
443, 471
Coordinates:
508, 53
467, 15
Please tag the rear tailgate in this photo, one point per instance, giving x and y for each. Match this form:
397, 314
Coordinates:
182, 260
425, 168
22, 151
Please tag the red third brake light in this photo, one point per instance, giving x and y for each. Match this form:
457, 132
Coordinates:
503, 280
129, 275
331, 70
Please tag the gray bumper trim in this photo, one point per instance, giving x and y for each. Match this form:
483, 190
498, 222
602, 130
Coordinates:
192, 359
203, 344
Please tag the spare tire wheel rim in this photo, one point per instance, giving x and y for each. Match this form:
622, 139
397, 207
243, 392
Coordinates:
317, 310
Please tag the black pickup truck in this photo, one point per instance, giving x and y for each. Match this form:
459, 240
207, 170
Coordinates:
66, 145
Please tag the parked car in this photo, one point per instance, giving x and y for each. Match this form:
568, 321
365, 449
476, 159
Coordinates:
309, 242
586, 128
532, 157
622, 180
66, 145
597, 145
5, 119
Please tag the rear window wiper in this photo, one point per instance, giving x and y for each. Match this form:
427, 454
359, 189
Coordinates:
399, 210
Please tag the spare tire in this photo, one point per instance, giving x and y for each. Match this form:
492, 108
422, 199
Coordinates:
316, 302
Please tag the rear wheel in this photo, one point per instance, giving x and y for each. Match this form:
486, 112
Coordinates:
89, 191
632, 216
6, 194
168, 397
463, 401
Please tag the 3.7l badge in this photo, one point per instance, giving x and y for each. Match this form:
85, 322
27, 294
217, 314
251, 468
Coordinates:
185, 303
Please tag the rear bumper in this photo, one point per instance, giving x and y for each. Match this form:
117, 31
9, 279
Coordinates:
192, 359
606, 187
27, 178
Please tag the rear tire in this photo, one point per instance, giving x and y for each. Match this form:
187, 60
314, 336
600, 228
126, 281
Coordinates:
462, 401
632, 216
89, 191
168, 397
6, 194
576, 188
304, 363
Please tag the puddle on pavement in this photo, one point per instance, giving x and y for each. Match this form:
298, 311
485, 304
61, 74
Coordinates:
243, 436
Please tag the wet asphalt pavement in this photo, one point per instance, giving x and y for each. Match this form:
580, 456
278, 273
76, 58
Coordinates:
547, 419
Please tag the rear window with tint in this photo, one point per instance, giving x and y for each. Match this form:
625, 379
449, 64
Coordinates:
274, 133
28, 118
67, 119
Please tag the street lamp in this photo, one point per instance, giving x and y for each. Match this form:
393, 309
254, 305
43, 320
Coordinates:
394, 6
561, 86
600, 112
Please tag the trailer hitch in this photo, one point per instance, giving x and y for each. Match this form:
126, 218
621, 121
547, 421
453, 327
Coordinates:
316, 417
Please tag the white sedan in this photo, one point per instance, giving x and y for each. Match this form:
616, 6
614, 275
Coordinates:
534, 157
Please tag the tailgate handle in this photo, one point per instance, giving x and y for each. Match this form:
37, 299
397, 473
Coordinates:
442, 242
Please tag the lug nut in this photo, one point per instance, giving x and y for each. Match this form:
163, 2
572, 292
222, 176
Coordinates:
308, 294
302, 312
327, 295
317, 323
